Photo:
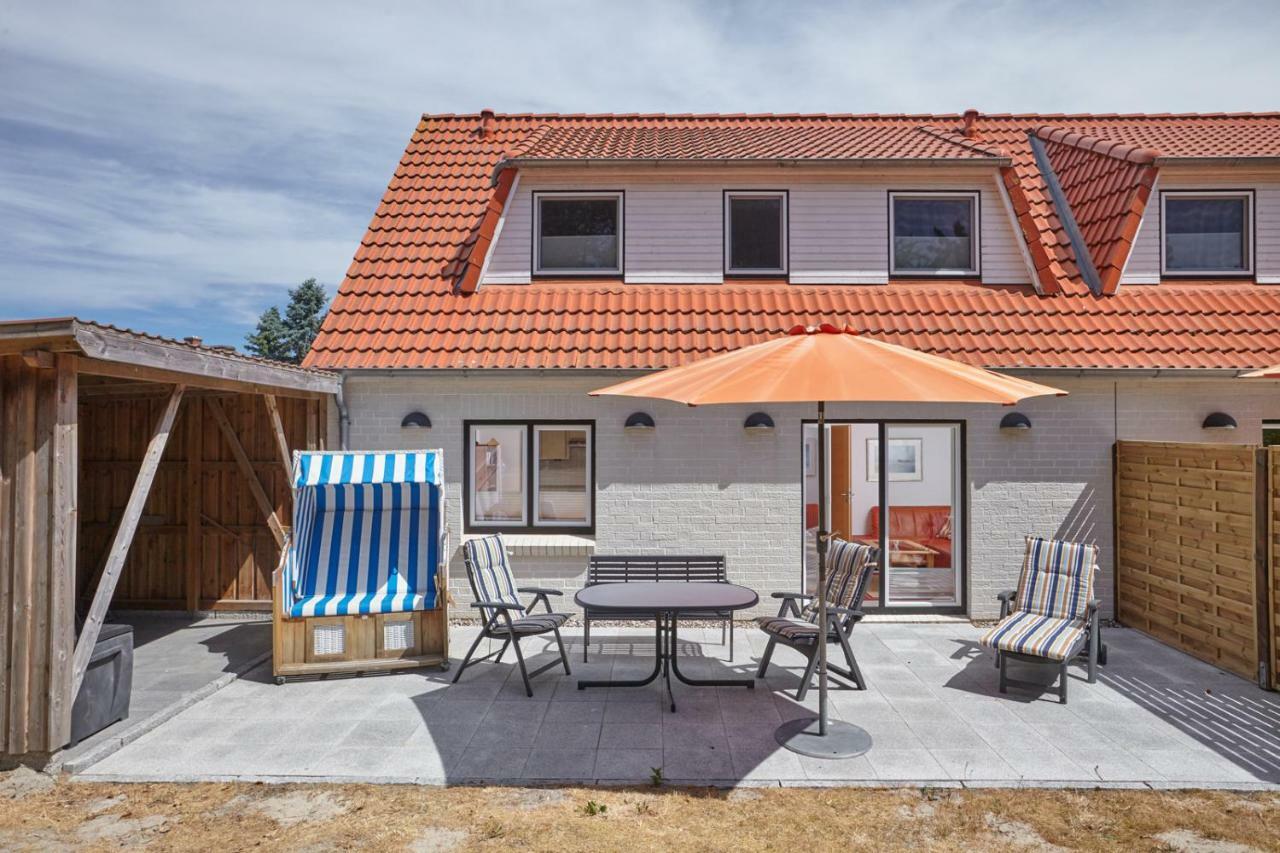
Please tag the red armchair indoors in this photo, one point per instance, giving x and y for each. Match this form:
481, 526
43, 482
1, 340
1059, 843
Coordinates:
928, 525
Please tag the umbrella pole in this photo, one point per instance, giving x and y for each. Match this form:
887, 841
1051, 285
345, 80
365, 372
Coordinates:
817, 737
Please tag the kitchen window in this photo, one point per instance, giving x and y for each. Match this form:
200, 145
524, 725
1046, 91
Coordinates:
577, 233
1207, 233
933, 234
755, 229
530, 475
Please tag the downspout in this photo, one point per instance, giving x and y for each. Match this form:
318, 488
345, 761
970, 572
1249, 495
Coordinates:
344, 417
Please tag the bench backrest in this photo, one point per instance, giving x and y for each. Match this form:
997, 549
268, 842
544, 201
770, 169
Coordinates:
655, 568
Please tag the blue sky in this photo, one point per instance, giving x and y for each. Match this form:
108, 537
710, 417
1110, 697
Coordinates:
176, 167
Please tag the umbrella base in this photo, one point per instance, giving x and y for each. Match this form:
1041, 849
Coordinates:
842, 740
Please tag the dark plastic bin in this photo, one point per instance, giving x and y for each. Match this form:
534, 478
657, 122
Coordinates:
104, 694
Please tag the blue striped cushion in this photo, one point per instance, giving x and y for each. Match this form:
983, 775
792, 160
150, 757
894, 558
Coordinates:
490, 571
849, 566
1057, 578
1033, 634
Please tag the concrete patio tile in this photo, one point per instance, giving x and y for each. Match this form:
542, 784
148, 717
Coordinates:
633, 712
856, 769
560, 764
1044, 764
626, 765
556, 735
947, 733
524, 711
973, 764
490, 764
472, 691
763, 758
504, 734
566, 690
694, 764
905, 764
574, 712
380, 732
1192, 765
890, 734
1111, 764
631, 736
705, 736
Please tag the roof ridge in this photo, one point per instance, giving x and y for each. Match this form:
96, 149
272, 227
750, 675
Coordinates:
1097, 145
1273, 114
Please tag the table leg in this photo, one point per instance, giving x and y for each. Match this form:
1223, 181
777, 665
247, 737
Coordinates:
668, 659
748, 683
641, 682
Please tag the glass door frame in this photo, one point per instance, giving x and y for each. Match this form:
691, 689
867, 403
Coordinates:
962, 507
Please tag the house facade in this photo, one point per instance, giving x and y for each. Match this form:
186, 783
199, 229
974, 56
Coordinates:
517, 262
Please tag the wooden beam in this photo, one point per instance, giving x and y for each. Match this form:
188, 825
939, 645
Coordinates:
246, 468
145, 373
195, 492
123, 538
282, 443
38, 359
62, 598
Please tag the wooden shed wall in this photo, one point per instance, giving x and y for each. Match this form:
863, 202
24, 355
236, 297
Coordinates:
201, 529
37, 490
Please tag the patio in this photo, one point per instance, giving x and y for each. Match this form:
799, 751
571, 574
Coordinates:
1156, 718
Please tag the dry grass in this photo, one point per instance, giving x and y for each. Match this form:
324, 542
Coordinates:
226, 817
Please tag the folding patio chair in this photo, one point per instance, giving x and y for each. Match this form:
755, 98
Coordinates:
1052, 616
494, 588
849, 569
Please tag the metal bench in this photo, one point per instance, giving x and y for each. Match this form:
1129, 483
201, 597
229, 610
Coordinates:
654, 568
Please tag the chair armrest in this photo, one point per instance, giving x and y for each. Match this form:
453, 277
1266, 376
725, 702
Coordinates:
790, 607
540, 590
845, 611
795, 596
498, 605
1006, 601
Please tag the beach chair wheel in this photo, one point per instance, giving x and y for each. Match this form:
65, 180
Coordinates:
279, 679
444, 666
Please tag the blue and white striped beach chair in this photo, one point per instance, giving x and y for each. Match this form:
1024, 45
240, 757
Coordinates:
364, 561
1052, 616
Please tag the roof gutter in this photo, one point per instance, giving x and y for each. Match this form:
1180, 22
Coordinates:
783, 162
1217, 161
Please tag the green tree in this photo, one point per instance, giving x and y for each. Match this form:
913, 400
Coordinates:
288, 337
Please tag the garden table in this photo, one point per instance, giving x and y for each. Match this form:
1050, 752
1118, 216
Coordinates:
667, 601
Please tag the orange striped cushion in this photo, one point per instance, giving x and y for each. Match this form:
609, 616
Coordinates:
1057, 578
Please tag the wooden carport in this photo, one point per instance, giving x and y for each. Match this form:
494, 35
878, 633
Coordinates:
135, 463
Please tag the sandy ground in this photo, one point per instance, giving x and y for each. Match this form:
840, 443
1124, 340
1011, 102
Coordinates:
38, 814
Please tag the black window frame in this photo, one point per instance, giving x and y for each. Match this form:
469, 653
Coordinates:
974, 194
469, 525
1251, 222
535, 223
726, 246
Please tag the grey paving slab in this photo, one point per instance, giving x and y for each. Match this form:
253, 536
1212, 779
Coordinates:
931, 707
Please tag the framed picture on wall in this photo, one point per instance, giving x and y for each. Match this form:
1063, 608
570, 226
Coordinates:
906, 459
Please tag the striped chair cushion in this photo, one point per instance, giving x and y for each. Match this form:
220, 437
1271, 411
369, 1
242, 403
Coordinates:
1057, 578
489, 571
1041, 636
849, 565
796, 632
539, 623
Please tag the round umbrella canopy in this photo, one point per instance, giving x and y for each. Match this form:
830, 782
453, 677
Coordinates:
822, 364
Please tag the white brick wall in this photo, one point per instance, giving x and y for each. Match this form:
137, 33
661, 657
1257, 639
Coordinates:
700, 484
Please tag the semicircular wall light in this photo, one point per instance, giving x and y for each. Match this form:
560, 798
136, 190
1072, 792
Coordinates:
1219, 420
639, 422
758, 422
417, 420
1015, 420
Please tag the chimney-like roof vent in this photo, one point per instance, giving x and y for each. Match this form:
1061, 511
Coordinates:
970, 118
486, 123
193, 340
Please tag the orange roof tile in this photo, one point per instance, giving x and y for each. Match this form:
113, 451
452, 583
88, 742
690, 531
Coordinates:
401, 304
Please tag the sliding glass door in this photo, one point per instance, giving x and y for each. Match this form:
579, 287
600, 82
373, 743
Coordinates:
913, 512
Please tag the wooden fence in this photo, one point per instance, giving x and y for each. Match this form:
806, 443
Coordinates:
1194, 534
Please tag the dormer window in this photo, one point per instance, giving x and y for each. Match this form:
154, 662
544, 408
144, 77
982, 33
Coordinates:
755, 232
1207, 233
577, 233
933, 234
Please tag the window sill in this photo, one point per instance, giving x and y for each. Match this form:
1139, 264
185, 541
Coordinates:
544, 544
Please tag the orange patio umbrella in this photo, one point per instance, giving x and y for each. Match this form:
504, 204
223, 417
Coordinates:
819, 365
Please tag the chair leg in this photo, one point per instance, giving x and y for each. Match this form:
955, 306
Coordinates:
1004, 673
586, 637
524, 673
1093, 656
467, 660
1062, 684
764, 661
564, 656
808, 676
502, 651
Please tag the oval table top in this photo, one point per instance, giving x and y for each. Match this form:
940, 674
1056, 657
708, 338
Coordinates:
667, 597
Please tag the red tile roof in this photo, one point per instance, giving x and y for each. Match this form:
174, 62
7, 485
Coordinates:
818, 140
404, 302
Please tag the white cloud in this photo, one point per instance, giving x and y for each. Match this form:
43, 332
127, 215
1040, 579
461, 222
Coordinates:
177, 165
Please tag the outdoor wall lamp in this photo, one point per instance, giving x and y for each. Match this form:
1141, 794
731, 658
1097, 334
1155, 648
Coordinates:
639, 422
1219, 420
416, 419
758, 422
1015, 420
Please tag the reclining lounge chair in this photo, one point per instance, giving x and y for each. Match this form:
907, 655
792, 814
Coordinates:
1052, 616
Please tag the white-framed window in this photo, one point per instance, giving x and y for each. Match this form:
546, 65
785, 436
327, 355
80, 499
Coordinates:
530, 475
755, 232
934, 233
1206, 232
577, 233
